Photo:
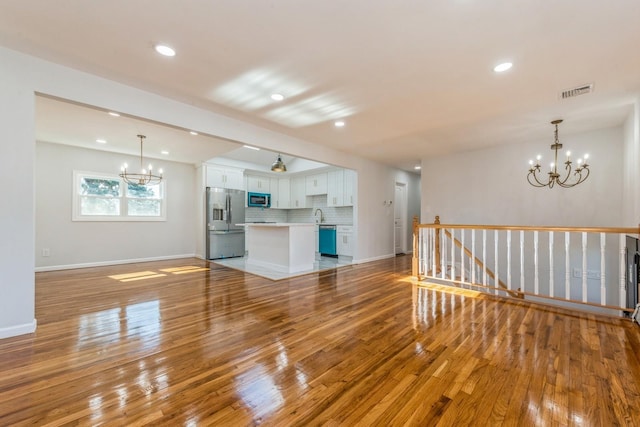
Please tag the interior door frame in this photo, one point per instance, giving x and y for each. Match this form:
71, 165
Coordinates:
403, 204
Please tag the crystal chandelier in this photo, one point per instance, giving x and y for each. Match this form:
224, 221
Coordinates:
145, 177
580, 174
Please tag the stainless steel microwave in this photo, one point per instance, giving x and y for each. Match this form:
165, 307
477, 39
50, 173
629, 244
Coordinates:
259, 200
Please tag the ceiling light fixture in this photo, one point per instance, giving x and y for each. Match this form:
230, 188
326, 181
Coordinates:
580, 174
502, 67
193, 132
144, 177
251, 148
277, 96
165, 152
165, 50
417, 167
339, 124
278, 165
114, 114
101, 141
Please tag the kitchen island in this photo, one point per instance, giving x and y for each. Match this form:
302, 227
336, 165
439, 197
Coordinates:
284, 247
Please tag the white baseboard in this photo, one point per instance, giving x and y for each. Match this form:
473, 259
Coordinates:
13, 331
114, 262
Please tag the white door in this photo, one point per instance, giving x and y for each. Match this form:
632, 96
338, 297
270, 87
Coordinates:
399, 218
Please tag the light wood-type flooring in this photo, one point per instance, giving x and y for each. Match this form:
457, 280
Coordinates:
174, 343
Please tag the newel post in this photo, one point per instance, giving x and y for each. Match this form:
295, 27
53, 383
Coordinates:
438, 267
414, 260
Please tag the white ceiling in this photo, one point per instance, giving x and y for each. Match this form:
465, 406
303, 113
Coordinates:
411, 79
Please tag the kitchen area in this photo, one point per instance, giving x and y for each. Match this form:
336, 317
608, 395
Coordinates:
277, 224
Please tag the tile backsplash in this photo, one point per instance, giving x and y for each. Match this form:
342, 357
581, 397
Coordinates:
332, 215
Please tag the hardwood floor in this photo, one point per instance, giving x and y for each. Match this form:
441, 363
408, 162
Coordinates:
172, 343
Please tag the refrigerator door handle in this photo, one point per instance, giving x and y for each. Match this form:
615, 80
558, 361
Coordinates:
229, 208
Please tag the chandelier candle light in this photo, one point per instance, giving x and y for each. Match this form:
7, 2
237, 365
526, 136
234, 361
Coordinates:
145, 177
580, 174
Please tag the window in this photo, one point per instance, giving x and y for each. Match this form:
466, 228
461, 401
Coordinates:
100, 197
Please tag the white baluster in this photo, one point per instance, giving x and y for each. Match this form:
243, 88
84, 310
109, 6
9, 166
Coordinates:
453, 255
462, 278
551, 285
433, 252
495, 268
567, 266
536, 279
484, 257
603, 287
443, 254
622, 258
584, 267
522, 260
509, 259
473, 255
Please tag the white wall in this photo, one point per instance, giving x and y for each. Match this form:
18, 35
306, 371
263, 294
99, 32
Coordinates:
631, 167
21, 76
490, 187
78, 243
17, 151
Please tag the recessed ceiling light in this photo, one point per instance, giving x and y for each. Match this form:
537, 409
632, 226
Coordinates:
114, 114
193, 132
101, 141
417, 167
277, 96
251, 148
165, 152
165, 50
502, 67
339, 124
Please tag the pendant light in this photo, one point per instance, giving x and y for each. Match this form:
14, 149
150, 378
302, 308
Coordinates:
278, 165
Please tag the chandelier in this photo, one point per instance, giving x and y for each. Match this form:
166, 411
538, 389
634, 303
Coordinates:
580, 173
278, 165
145, 177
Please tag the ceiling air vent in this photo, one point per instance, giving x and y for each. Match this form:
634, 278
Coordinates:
580, 90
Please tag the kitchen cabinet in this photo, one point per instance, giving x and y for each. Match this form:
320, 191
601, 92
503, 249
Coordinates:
344, 240
349, 187
335, 188
258, 184
316, 184
225, 177
298, 193
280, 193
340, 187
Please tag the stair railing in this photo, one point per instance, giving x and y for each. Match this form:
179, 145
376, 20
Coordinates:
558, 265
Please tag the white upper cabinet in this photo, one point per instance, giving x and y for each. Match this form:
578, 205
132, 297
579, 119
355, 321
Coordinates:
316, 184
225, 177
335, 188
258, 184
349, 187
298, 193
280, 193
340, 187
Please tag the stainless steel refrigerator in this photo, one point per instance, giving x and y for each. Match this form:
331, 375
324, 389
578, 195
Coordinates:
225, 209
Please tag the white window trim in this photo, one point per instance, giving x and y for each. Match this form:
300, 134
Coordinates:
77, 216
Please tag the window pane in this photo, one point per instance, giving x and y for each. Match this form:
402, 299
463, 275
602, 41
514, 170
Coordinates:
143, 191
99, 187
99, 206
143, 207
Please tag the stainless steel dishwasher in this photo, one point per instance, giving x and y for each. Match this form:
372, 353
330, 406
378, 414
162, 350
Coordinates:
327, 240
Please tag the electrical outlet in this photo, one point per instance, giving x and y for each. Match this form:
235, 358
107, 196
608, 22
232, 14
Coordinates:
46, 252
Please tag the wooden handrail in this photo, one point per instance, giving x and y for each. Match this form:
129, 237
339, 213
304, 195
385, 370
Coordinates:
618, 230
480, 264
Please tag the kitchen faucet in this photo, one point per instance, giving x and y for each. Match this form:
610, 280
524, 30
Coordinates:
321, 215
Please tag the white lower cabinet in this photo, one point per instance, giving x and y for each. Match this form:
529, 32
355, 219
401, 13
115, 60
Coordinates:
344, 240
